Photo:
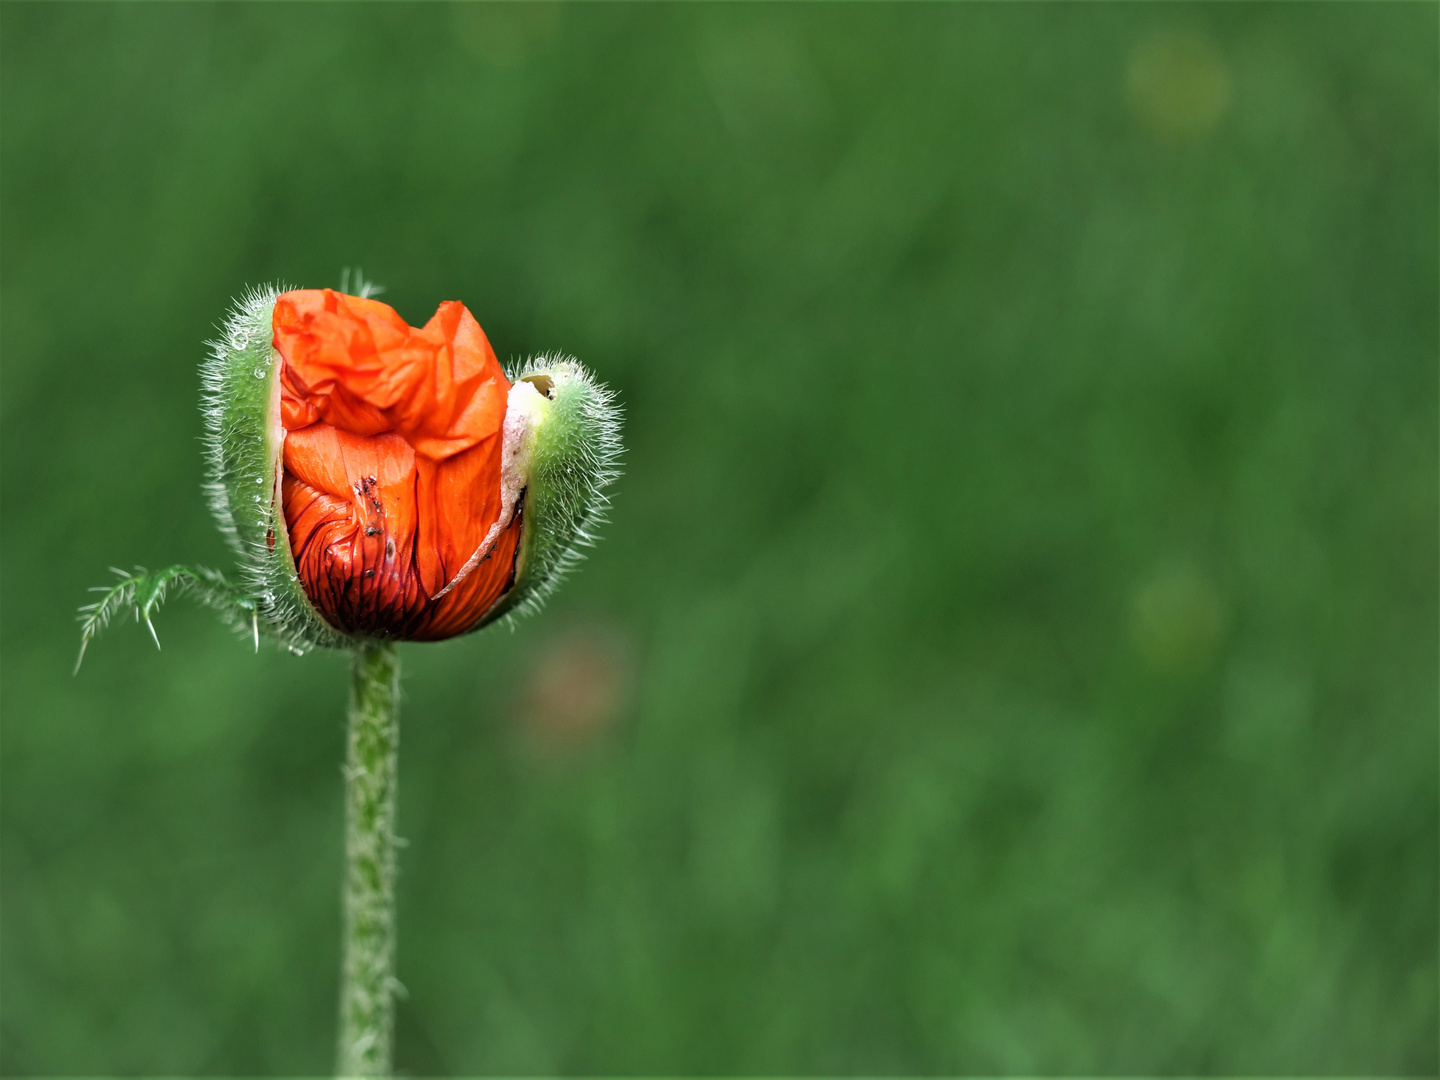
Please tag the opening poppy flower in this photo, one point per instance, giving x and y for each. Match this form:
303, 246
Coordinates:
402, 516
379, 481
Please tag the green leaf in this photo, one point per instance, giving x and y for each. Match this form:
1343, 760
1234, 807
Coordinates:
141, 592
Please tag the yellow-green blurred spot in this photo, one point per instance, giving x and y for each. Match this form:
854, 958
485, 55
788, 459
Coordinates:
1178, 85
1175, 620
506, 35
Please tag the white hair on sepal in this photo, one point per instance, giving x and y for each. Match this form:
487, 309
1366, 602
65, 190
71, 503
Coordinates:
353, 283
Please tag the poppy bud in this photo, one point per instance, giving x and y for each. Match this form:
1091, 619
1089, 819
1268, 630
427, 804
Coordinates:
379, 480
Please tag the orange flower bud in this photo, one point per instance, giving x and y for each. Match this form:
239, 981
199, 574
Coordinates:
400, 523
378, 480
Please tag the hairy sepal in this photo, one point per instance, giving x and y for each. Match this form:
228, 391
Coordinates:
244, 444
571, 459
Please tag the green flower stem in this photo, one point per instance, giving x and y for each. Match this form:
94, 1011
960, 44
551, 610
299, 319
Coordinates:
367, 979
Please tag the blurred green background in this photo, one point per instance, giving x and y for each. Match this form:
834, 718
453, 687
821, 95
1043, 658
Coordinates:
1015, 646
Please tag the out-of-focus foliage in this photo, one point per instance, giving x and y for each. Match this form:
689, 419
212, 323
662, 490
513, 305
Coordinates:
1015, 646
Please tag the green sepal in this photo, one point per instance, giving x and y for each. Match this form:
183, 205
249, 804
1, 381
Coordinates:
244, 442
573, 453
141, 593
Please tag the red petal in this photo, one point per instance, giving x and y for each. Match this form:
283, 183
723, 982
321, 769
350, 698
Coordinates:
392, 462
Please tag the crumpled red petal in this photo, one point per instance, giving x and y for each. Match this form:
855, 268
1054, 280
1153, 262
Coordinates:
392, 463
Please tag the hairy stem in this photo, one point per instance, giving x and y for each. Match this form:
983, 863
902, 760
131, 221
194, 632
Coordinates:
367, 978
